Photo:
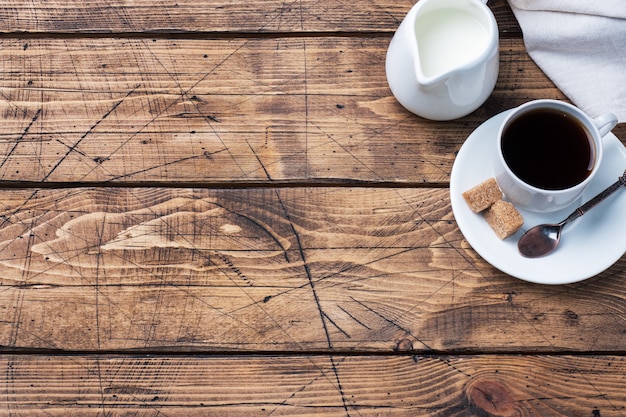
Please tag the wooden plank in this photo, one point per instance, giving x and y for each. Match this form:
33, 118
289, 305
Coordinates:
223, 111
494, 385
276, 269
214, 16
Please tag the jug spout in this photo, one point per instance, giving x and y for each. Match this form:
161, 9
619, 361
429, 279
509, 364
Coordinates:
429, 84
461, 86
465, 86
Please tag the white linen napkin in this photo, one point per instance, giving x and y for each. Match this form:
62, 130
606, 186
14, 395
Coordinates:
581, 46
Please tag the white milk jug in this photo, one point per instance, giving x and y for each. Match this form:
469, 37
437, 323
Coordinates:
442, 62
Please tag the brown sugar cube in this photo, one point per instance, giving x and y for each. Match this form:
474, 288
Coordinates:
504, 218
483, 195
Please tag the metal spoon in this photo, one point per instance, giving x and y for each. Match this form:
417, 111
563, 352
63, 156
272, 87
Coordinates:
544, 238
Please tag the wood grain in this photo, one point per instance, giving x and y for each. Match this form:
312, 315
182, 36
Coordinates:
494, 385
277, 269
226, 111
218, 208
190, 17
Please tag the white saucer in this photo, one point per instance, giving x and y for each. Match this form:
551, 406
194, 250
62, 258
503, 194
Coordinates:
588, 246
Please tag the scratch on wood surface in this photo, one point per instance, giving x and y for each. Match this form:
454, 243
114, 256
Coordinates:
323, 375
391, 322
197, 225
354, 318
20, 138
155, 167
344, 148
335, 325
258, 158
87, 133
186, 95
202, 227
323, 315
98, 241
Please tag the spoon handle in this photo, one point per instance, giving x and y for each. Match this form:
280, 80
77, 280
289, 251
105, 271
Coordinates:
621, 181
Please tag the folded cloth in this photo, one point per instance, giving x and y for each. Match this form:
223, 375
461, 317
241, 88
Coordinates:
581, 46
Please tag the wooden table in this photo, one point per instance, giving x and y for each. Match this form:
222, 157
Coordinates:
218, 208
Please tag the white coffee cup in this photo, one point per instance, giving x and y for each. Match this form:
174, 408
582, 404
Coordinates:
548, 151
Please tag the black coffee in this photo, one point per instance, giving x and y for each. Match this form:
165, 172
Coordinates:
548, 149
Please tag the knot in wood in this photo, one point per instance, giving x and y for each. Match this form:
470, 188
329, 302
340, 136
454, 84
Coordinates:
491, 397
404, 345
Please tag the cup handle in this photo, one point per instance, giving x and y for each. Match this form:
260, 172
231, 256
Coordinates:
605, 123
